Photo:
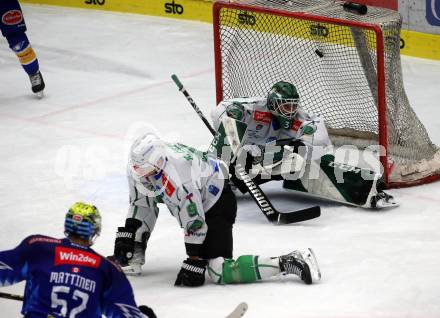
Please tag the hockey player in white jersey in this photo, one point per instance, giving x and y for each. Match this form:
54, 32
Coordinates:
196, 190
274, 129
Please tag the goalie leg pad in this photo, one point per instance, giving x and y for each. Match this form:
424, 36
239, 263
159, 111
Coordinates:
339, 182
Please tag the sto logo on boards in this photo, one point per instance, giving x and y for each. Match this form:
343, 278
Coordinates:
433, 12
98, 2
173, 8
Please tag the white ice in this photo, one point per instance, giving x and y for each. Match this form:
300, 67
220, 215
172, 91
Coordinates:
107, 74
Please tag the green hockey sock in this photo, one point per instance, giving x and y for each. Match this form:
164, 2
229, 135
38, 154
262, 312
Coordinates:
246, 269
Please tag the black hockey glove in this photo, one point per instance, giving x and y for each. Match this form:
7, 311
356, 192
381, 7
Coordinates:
192, 273
124, 243
147, 311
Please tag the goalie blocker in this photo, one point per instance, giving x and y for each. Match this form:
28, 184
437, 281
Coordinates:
284, 160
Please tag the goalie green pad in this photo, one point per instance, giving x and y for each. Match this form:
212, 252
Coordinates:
228, 139
336, 181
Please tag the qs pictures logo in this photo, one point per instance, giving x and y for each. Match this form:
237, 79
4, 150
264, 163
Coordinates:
433, 12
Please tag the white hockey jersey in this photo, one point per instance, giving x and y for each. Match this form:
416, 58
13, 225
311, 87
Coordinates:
189, 184
263, 127
335, 181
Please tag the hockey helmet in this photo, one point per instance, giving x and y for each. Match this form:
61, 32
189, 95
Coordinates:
84, 221
147, 155
283, 99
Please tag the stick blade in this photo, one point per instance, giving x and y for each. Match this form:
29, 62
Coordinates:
11, 296
239, 311
299, 215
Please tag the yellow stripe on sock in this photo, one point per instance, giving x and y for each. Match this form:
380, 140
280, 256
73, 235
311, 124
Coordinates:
27, 56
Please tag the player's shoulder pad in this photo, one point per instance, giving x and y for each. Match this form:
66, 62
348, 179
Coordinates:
37, 238
235, 110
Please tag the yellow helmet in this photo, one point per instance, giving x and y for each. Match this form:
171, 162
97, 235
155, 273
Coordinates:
83, 220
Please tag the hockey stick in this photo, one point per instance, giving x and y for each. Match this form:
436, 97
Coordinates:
193, 104
239, 311
254, 190
11, 296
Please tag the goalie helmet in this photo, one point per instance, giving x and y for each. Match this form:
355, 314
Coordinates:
283, 100
147, 155
83, 221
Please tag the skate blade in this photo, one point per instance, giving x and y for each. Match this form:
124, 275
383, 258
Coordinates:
132, 270
40, 95
385, 204
310, 258
239, 311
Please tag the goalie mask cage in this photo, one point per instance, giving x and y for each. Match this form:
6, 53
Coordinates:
345, 65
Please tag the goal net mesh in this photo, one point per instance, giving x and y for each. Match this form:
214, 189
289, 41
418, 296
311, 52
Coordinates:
333, 57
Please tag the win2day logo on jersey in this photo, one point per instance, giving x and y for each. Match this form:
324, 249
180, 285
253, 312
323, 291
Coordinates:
71, 256
433, 12
262, 117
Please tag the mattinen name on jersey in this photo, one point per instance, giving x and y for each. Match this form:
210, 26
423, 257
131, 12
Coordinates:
73, 280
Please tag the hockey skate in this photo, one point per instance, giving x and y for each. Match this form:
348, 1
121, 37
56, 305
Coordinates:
37, 83
301, 263
134, 265
132, 269
383, 200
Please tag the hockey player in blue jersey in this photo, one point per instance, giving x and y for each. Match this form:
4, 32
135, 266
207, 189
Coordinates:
13, 28
65, 277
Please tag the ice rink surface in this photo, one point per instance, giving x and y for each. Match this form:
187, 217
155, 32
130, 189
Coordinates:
107, 75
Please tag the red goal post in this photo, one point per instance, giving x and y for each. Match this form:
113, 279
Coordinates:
346, 66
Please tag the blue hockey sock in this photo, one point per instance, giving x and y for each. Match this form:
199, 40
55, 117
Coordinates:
19, 43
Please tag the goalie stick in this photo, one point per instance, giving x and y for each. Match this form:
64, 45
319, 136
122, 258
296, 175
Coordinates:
274, 216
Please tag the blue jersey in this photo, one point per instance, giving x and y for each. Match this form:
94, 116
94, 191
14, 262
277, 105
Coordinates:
11, 18
64, 279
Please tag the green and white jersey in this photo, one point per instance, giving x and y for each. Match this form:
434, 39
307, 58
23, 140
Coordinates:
263, 127
189, 184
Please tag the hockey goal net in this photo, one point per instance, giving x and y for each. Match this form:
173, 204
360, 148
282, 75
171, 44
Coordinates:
346, 66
